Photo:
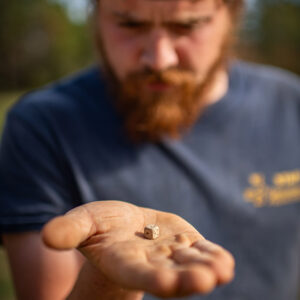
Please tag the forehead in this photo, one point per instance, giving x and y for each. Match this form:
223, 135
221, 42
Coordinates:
152, 9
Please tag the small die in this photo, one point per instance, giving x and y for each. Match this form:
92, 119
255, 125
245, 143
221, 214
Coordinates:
151, 232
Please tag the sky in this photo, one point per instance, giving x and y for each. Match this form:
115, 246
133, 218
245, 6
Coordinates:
77, 9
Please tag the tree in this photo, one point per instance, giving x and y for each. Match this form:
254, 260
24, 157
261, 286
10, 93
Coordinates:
39, 43
274, 35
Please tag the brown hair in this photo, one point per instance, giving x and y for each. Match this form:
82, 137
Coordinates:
235, 6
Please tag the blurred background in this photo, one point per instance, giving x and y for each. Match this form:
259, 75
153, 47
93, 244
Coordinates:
42, 40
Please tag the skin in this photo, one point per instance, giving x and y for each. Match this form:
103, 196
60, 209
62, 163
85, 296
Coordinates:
110, 235
119, 263
40, 273
165, 34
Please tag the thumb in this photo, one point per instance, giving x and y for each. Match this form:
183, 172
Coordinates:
68, 231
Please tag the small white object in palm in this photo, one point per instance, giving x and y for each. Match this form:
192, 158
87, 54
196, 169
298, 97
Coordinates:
151, 232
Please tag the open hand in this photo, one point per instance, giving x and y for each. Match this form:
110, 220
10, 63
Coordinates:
179, 262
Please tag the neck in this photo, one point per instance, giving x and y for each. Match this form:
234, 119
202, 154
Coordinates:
219, 87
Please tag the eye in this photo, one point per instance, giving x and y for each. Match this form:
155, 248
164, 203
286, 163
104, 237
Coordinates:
133, 25
182, 29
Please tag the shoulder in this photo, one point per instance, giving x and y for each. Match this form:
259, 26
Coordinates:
67, 110
70, 94
272, 82
269, 96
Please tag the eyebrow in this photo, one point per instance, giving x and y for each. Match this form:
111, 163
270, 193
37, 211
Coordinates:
125, 16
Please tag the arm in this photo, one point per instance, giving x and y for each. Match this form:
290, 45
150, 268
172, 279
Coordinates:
28, 161
38, 272
120, 262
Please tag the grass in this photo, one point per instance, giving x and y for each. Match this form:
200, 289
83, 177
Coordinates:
6, 287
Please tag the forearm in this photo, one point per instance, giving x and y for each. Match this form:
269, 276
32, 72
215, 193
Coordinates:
92, 285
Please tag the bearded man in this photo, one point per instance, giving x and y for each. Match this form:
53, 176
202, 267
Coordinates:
169, 125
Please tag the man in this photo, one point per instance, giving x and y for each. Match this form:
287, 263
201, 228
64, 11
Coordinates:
169, 123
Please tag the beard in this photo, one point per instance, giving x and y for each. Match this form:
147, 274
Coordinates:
149, 115
153, 115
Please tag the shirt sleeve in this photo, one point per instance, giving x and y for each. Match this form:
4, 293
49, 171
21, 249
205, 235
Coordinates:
33, 174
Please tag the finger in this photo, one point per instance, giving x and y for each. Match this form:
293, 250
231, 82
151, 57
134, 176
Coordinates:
182, 239
160, 281
191, 255
217, 264
216, 250
169, 282
68, 231
193, 273
196, 279
208, 246
222, 261
161, 276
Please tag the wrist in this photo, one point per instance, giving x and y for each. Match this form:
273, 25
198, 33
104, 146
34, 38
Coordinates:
93, 285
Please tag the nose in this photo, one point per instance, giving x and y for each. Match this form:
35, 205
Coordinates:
159, 53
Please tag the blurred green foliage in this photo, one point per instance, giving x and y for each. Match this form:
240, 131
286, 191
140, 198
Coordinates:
6, 288
272, 35
39, 43
6, 101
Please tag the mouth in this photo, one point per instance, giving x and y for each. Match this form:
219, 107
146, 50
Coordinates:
158, 86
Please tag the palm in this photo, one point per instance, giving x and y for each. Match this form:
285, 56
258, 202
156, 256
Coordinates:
179, 262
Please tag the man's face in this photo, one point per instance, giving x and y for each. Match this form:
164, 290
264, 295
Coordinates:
160, 34
162, 50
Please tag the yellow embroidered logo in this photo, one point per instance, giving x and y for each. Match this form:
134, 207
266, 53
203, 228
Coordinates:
285, 189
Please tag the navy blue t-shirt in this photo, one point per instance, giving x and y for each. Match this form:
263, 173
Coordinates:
235, 175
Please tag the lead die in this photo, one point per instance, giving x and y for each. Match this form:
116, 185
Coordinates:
151, 232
